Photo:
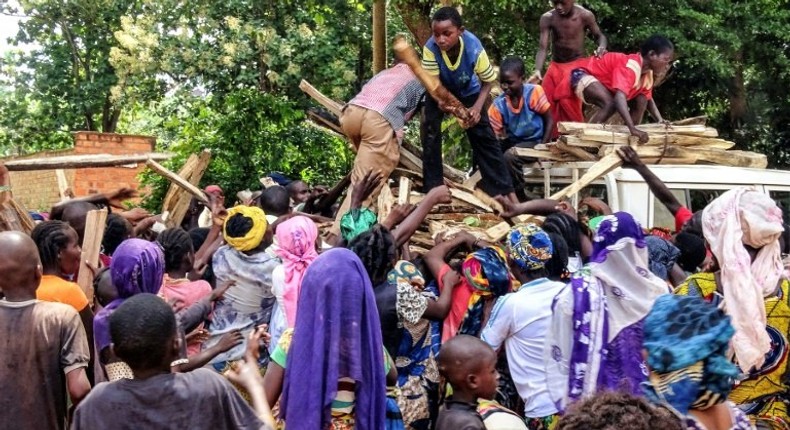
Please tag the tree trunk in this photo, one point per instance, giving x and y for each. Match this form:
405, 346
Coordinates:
738, 102
379, 35
416, 15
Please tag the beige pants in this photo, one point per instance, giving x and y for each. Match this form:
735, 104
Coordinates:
377, 150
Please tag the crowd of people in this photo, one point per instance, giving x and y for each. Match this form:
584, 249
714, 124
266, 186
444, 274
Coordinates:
247, 316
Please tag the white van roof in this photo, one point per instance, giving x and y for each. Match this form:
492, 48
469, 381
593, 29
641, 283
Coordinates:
708, 174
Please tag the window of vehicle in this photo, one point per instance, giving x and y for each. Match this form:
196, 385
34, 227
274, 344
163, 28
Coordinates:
782, 199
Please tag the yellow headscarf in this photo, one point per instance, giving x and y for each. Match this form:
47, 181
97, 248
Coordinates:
253, 238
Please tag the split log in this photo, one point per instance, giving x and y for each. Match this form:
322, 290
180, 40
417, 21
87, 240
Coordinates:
406, 53
404, 190
472, 181
334, 107
576, 152
177, 201
175, 179
63, 185
541, 155
575, 141
82, 161
706, 155
469, 198
702, 119
95, 223
488, 200
15, 217
385, 202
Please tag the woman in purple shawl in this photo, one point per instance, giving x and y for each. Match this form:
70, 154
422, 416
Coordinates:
334, 362
595, 338
138, 266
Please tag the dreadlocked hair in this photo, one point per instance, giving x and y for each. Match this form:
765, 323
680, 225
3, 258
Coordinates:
176, 244
376, 249
609, 410
50, 238
557, 266
567, 227
115, 232
238, 225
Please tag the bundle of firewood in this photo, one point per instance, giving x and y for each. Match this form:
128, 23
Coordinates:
677, 143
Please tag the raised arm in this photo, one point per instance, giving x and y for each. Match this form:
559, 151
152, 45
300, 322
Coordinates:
436, 257
663, 194
533, 207
592, 25
543, 48
406, 229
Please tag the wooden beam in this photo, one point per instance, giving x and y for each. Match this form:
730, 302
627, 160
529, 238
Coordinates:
694, 129
469, 198
541, 155
95, 223
175, 179
702, 154
385, 202
575, 152
331, 105
473, 180
15, 217
63, 185
575, 141
82, 161
404, 190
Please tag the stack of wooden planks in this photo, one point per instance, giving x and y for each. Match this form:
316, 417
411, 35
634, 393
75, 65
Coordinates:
678, 143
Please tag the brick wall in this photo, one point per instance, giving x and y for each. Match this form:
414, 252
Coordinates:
38, 190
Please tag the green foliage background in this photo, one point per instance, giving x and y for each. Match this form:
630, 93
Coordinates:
224, 75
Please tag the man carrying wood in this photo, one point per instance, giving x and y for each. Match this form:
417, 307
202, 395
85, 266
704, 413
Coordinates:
374, 121
566, 25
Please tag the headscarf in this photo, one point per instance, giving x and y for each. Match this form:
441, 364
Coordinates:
484, 273
356, 222
337, 335
296, 248
686, 340
596, 335
739, 217
213, 189
138, 266
529, 247
254, 237
406, 272
663, 256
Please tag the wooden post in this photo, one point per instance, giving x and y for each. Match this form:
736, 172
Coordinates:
82, 161
63, 184
379, 35
404, 191
575, 196
385, 202
91, 246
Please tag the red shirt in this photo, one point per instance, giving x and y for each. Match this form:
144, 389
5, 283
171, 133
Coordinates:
622, 72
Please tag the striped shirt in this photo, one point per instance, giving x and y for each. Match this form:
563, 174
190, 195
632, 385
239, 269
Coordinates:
394, 93
520, 123
463, 77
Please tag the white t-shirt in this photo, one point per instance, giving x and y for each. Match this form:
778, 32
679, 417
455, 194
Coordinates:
521, 321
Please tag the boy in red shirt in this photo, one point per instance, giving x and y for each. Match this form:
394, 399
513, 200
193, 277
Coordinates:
611, 81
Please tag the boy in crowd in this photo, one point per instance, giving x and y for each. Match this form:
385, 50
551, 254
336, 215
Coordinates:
469, 365
144, 334
566, 26
611, 81
44, 349
458, 58
520, 117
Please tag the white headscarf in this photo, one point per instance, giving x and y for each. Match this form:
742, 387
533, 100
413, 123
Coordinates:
739, 217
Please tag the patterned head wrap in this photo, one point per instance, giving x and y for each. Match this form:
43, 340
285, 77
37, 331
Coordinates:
486, 271
686, 340
254, 237
529, 247
406, 272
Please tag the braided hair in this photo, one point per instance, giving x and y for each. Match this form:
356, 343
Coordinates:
176, 245
50, 237
557, 266
376, 249
567, 227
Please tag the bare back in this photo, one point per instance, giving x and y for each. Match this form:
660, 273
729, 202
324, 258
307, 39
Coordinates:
568, 32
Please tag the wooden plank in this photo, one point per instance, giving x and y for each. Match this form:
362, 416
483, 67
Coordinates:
707, 155
414, 163
15, 217
181, 182
469, 198
488, 200
385, 202
174, 189
472, 181
404, 190
192, 172
334, 107
575, 152
574, 127
702, 119
575, 141
82, 161
616, 138
63, 185
95, 223
575, 196
541, 155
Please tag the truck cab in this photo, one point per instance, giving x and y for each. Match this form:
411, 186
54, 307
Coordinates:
693, 185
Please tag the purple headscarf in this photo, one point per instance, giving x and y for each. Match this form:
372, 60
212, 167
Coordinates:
138, 266
336, 307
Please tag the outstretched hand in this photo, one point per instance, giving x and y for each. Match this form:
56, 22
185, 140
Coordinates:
509, 209
116, 198
630, 157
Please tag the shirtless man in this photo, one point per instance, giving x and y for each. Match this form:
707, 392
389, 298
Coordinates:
567, 25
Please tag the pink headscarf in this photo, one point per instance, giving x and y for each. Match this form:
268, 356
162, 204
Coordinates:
739, 217
296, 247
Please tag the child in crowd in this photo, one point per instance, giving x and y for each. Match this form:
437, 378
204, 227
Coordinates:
611, 81
44, 349
469, 365
458, 58
608, 411
144, 335
520, 117
566, 26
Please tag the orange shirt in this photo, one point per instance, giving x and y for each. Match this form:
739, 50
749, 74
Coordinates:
57, 289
